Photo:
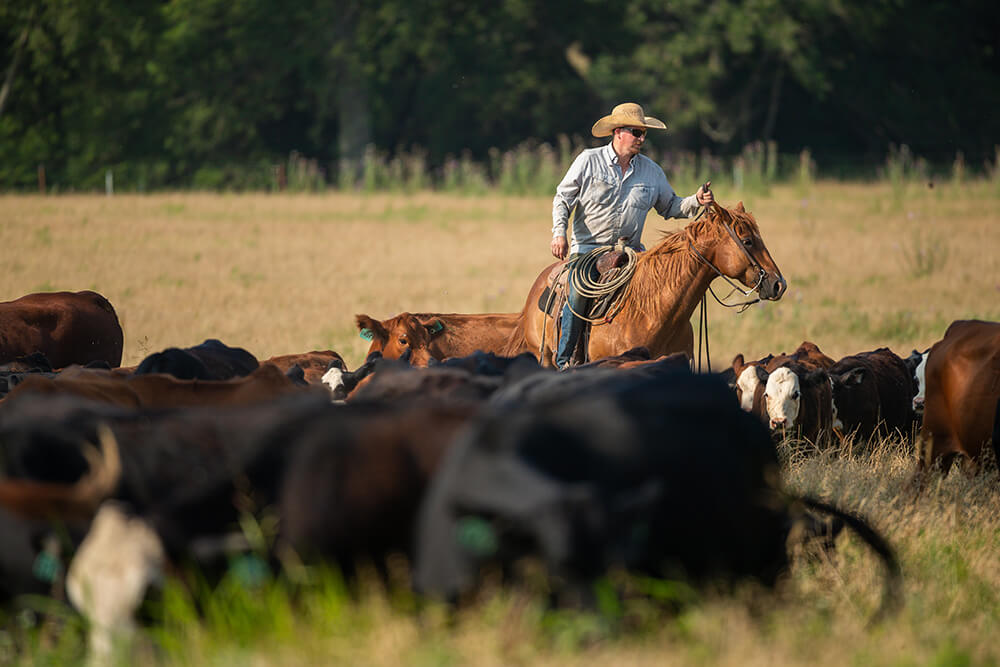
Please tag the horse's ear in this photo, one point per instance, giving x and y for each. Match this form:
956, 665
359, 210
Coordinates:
739, 208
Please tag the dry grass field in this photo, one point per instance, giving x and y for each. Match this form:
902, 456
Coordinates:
867, 266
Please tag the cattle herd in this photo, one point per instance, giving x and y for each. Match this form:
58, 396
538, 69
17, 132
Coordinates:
439, 448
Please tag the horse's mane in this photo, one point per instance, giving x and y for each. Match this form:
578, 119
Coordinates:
674, 244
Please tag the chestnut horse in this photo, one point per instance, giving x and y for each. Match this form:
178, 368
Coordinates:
669, 281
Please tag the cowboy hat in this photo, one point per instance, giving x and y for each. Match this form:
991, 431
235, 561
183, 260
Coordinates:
630, 114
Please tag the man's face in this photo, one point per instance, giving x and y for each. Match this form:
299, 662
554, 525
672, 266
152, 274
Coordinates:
627, 143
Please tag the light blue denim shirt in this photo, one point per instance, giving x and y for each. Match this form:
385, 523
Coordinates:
608, 205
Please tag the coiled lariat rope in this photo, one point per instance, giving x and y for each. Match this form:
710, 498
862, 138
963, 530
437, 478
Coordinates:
616, 286
613, 289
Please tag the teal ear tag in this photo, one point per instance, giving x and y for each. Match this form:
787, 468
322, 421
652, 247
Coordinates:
436, 327
367, 334
46, 567
250, 570
477, 536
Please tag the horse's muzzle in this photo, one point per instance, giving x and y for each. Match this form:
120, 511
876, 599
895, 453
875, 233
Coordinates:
772, 288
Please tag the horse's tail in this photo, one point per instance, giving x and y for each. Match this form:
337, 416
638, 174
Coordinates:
518, 342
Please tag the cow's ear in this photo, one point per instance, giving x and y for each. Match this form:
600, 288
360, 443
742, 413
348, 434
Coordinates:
434, 328
370, 329
852, 377
738, 361
761, 374
729, 375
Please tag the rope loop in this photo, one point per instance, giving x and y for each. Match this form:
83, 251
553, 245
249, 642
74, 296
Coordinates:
613, 289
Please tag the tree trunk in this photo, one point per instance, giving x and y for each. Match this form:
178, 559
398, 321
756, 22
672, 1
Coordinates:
22, 42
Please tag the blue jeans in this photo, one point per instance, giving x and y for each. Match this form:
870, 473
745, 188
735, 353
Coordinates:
572, 326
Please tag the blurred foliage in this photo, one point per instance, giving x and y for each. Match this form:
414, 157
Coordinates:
169, 91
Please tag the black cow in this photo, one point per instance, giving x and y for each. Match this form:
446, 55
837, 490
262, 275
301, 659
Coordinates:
210, 360
664, 476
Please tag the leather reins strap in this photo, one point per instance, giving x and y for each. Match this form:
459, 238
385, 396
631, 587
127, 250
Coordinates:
722, 215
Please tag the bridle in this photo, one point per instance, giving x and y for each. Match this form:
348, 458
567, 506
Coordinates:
703, 314
721, 215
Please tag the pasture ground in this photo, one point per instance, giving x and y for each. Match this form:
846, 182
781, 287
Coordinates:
867, 266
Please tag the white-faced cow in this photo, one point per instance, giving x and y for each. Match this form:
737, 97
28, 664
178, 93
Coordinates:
751, 378
798, 399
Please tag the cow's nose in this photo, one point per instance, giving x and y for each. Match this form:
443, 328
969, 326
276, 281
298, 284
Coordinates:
778, 423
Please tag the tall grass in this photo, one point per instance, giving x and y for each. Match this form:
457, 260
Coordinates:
947, 538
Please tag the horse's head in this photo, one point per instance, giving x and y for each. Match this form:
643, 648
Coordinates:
741, 253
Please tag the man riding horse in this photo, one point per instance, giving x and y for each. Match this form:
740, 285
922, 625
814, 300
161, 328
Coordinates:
611, 189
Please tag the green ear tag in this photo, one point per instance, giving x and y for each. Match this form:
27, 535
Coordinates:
46, 567
436, 327
477, 536
367, 334
250, 570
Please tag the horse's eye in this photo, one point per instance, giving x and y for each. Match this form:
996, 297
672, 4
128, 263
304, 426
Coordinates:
402, 340
748, 242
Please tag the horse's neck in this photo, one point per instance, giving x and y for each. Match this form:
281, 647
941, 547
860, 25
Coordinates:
673, 285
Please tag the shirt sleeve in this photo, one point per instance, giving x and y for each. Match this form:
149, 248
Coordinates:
671, 205
567, 194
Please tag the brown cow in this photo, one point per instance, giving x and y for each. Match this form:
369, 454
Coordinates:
163, 391
963, 387
67, 327
313, 364
872, 394
437, 335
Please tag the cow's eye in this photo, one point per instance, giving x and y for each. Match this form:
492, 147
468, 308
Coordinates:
402, 340
795, 396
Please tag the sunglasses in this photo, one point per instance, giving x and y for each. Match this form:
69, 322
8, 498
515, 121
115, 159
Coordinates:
636, 132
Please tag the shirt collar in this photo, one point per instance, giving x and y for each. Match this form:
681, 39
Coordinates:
610, 155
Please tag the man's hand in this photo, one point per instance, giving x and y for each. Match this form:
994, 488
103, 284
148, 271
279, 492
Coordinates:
704, 195
559, 247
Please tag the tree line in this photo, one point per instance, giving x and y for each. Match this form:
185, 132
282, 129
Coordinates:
161, 90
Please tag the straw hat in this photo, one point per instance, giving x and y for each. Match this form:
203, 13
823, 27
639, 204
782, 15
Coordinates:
630, 114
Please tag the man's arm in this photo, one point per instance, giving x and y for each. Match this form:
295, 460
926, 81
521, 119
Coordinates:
567, 194
670, 205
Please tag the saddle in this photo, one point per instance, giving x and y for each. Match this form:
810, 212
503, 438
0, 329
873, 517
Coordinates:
557, 281
553, 298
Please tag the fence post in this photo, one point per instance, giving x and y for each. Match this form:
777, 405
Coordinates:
41, 179
109, 182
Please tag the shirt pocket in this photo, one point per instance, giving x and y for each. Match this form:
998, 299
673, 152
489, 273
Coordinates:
600, 192
640, 197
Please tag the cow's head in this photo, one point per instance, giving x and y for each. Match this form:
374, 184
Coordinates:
785, 392
917, 363
748, 382
397, 335
841, 386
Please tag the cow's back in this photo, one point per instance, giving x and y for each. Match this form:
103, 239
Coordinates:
963, 385
67, 327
